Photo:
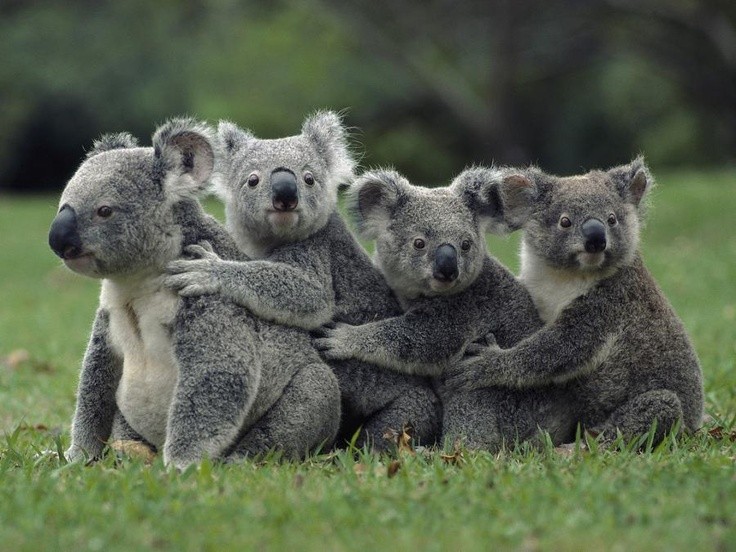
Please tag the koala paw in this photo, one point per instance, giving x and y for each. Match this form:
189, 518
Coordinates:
195, 276
76, 453
335, 341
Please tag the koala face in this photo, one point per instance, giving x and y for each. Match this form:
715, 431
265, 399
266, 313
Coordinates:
115, 215
429, 242
588, 223
283, 190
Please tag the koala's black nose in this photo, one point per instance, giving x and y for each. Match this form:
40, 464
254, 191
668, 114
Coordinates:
63, 236
284, 193
594, 233
445, 263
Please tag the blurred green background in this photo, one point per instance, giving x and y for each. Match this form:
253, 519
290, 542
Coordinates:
431, 87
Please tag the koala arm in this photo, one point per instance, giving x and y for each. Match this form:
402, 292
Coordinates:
95, 410
573, 345
292, 287
422, 341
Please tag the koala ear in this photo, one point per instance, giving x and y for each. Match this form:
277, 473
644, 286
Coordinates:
372, 199
232, 137
330, 138
632, 181
107, 142
502, 198
186, 149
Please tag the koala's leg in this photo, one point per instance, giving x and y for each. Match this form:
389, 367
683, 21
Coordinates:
635, 417
306, 416
219, 375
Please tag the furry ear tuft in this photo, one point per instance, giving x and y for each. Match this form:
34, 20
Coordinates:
632, 181
232, 137
372, 198
107, 142
501, 198
186, 148
330, 138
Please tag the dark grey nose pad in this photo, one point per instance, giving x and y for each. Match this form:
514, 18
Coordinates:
284, 192
594, 234
64, 238
445, 267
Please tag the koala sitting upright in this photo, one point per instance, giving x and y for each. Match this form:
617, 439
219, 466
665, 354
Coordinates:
610, 337
430, 245
194, 377
280, 197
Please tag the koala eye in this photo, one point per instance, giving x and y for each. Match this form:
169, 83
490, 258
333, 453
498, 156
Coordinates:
309, 178
253, 180
419, 243
104, 211
565, 222
612, 220
465, 245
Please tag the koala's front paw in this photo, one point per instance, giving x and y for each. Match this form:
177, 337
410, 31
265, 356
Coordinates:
196, 276
75, 453
336, 341
472, 371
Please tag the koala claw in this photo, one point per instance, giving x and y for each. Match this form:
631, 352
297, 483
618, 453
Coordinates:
192, 282
202, 251
473, 350
334, 342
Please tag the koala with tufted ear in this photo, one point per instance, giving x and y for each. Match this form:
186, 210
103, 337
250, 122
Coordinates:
280, 200
430, 245
611, 337
193, 377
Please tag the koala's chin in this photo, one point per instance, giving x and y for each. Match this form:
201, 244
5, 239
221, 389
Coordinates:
283, 223
85, 264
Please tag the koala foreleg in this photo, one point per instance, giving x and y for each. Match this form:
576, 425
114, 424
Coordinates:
95, 411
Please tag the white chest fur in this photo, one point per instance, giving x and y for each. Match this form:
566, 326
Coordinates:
141, 315
552, 290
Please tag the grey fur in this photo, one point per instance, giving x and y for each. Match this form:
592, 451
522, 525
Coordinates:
441, 319
308, 267
611, 337
195, 376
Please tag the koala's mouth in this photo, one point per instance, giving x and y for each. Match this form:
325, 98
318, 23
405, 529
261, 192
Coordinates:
283, 219
442, 286
83, 263
591, 261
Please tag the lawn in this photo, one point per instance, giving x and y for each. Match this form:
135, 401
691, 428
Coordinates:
682, 495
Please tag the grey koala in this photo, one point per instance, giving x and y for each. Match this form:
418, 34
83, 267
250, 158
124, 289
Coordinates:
194, 377
610, 338
430, 245
280, 197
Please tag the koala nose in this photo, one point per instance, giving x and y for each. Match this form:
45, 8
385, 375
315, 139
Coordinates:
594, 233
63, 236
445, 263
284, 193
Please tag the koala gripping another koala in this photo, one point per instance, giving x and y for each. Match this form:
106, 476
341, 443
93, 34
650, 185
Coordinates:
193, 377
611, 338
280, 199
430, 245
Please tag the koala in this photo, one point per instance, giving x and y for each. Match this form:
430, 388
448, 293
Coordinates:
193, 377
430, 246
307, 268
610, 338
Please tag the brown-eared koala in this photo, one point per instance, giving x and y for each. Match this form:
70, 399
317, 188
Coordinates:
280, 197
430, 246
610, 336
193, 377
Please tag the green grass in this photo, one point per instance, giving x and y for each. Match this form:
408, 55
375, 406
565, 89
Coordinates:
680, 496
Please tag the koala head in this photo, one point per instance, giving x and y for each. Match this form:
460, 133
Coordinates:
429, 242
283, 190
588, 223
116, 214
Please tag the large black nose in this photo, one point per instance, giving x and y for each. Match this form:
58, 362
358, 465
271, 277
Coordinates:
284, 193
594, 233
63, 236
445, 263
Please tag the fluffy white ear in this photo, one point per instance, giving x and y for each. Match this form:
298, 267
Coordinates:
372, 199
632, 181
501, 198
330, 138
186, 150
107, 142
